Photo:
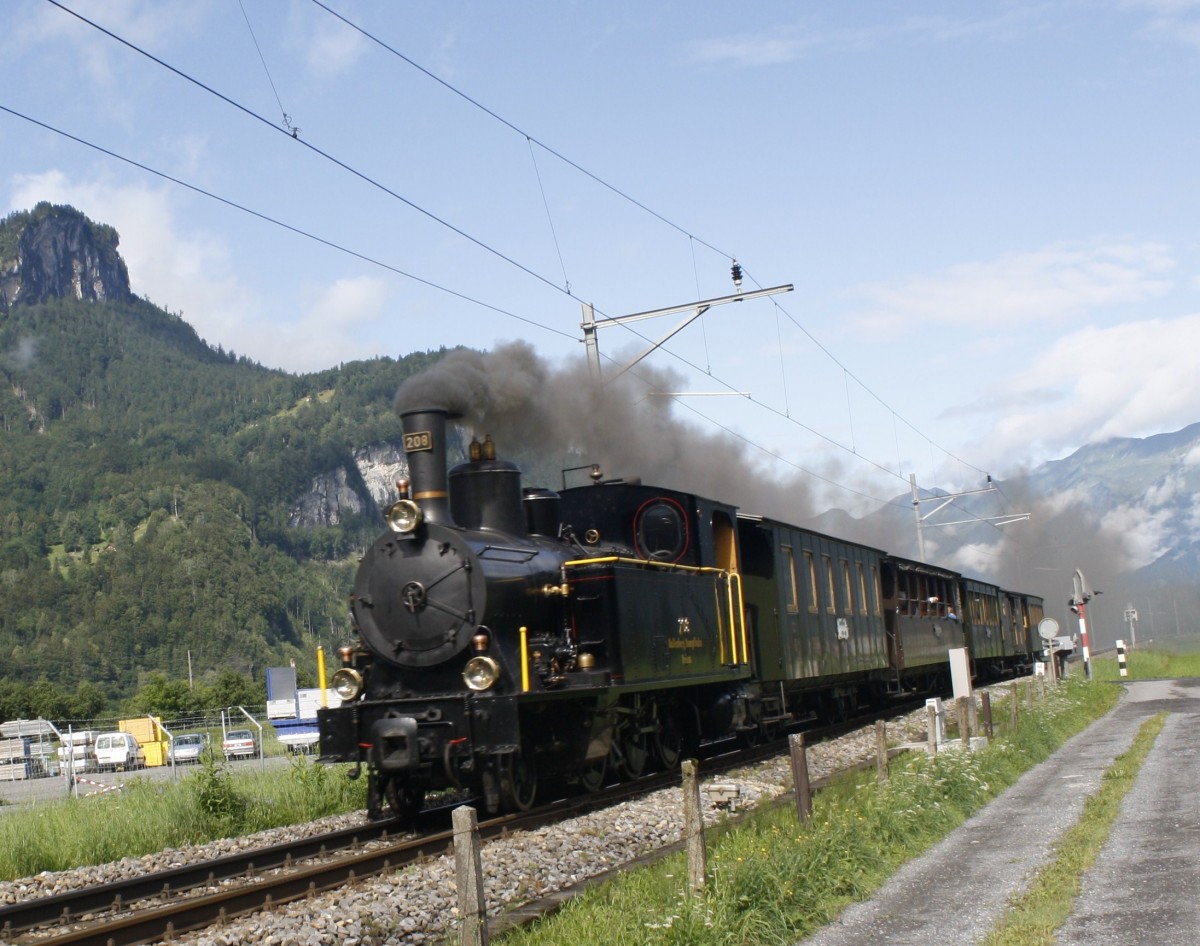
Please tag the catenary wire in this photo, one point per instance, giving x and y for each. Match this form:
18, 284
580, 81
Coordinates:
625, 196
375, 262
286, 226
366, 178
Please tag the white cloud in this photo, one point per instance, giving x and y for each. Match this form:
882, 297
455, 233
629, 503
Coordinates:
195, 274
1051, 284
330, 47
1176, 21
192, 271
1143, 535
1129, 380
149, 24
339, 324
787, 43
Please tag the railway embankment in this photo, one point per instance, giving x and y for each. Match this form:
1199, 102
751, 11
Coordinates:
749, 877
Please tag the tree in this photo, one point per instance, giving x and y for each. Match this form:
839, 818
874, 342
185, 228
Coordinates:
158, 696
234, 689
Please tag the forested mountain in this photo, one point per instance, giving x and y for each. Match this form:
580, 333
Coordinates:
148, 480
162, 499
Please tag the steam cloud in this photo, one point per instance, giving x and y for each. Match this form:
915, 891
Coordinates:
548, 419
552, 418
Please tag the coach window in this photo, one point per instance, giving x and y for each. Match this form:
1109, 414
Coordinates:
848, 586
812, 581
831, 603
875, 590
793, 601
862, 589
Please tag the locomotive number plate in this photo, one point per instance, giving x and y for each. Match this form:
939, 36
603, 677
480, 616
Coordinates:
418, 440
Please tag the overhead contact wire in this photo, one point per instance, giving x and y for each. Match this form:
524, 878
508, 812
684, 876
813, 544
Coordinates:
315, 150
286, 226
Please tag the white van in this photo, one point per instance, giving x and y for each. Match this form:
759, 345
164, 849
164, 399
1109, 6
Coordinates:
118, 750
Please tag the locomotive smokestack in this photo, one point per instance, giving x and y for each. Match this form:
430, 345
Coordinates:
425, 447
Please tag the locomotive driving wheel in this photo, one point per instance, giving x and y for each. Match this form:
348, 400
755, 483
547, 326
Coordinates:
591, 776
668, 741
404, 798
518, 782
635, 751
633, 741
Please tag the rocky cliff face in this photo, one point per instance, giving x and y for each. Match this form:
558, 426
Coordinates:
369, 487
55, 252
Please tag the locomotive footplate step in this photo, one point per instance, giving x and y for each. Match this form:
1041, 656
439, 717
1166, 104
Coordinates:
1142, 888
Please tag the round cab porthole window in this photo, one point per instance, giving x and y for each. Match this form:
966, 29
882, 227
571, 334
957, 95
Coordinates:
660, 530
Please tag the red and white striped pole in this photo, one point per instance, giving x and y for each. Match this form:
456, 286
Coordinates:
1083, 639
1079, 601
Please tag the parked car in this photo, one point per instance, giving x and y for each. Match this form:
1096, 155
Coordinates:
240, 744
187, 748
118, 750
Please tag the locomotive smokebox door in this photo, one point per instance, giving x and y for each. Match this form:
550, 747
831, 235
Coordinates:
417, 602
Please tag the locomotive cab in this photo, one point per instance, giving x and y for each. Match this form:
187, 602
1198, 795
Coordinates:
509, 636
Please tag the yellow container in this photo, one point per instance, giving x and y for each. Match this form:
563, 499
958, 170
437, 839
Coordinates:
144, 729
156, 753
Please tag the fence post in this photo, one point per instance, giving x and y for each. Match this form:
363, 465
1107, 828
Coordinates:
931, 734
693, 826
986, 699
881, 760
1014, 707
800, 777
964, 725
468, 872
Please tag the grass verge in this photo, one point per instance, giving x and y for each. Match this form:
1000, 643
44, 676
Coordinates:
1148, 665
148, 816
1033, 918
774, 880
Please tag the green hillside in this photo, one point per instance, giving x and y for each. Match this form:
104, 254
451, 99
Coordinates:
145, 481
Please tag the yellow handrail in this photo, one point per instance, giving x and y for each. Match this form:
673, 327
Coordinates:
524, 659
623, 560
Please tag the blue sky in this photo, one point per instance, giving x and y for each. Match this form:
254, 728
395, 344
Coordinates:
988, 210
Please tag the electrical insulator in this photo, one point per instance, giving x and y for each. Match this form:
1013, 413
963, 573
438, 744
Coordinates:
736, 272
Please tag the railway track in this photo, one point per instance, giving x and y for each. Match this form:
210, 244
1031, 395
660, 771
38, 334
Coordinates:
163, 905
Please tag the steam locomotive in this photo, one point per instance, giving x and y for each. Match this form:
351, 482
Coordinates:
517, 641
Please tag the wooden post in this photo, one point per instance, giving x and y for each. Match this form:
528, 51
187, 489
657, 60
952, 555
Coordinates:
931, 733
693, 826
1029, 694
1014, 707
800, 777
1042, 687
881, 766
986, 699
964, 725
468, 872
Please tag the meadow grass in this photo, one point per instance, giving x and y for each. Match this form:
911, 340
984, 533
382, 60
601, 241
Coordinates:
1146, 664
774, 880
807, 872
148, 816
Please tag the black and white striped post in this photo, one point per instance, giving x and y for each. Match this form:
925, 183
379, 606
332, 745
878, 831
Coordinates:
1121, 658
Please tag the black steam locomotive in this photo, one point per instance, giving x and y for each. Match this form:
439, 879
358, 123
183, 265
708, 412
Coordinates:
512, 641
